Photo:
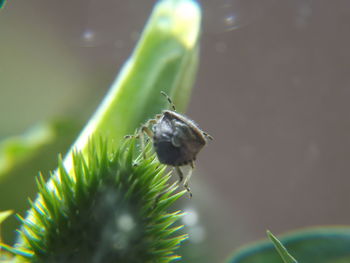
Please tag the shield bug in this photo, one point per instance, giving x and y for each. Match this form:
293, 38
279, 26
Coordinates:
176, 140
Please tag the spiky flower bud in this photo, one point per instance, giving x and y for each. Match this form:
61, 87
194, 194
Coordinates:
112, 207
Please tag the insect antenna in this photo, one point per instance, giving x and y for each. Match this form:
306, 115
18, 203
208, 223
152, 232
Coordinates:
169, 100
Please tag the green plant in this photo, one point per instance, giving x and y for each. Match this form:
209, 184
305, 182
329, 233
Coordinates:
2, 3
111, 211
101, 200
105, 203
319, 244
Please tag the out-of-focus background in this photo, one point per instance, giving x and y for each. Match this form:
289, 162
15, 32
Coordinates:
273, 89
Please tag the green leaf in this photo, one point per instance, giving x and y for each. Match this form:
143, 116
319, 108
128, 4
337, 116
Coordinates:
4, 215
16, 149
4, 256
287, 258
319, 245
17, 183
2, 3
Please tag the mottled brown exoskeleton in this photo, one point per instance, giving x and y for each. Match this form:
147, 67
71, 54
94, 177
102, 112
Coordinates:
176, 139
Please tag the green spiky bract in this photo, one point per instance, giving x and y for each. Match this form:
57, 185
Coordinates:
111, 210
282, 251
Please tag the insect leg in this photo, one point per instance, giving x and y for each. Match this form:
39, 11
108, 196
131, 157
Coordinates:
146, 130
185, 184
179, 173
142, 142
208, 136
130, 136
169, 100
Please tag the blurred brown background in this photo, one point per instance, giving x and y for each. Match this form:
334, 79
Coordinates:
273, 89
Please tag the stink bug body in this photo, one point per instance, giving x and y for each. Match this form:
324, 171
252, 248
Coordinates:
176, 139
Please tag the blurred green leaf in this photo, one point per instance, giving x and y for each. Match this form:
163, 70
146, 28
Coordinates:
2, 3
18, 183
17, 149
4, 256
287, 258
313, 245
4, 215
